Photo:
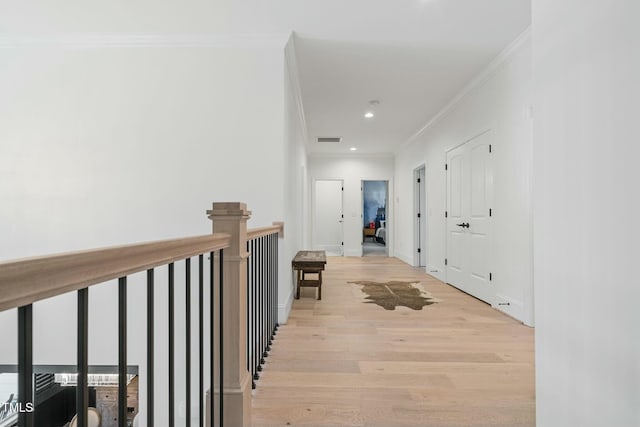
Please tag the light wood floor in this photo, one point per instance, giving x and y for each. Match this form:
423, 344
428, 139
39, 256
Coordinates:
341, 362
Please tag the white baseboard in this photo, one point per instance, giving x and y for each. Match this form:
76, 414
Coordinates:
405, 258
515, 308
285, 309
436, 272
353, 252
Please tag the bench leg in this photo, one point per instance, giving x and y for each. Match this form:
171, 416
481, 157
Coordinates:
298, 272
320, 285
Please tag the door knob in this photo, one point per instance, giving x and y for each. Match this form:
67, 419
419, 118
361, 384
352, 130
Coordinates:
463, 225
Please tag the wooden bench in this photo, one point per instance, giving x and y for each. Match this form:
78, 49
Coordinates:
309, 262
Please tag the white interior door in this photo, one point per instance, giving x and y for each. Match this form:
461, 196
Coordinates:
328, 217
469, 196
457, 194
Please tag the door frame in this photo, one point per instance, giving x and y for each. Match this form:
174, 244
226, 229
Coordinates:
420, 226
314, 241
387, 212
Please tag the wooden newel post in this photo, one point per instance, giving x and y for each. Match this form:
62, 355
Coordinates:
231, 218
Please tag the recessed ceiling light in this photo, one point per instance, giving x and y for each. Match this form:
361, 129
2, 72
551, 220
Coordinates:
368, 114
353, 148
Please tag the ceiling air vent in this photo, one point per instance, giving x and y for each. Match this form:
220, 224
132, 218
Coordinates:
328, 139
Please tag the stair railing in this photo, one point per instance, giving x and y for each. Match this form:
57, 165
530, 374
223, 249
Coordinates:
223, 255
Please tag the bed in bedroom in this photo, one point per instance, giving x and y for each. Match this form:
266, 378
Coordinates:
381, 233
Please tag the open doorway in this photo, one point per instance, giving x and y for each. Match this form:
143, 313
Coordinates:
420, 220
374, 218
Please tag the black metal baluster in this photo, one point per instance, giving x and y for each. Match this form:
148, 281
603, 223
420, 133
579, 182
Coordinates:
274, 294
270, 286
269, 299
270, 307
275, 239
122, 352
150, 346
187, 297
264, 300
274, 243
249, 308
254, 309
275, 283
211, 338
221, 346
201, 338
257, 310
25, 365
260, 304
82, 388
171, 347
274, 290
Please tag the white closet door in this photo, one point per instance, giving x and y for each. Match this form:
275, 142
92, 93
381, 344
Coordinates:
469, 196
457, 211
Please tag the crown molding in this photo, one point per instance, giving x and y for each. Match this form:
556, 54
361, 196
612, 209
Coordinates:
11, 41
294, 76
503, 57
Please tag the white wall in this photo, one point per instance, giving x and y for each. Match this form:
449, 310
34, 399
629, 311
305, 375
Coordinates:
499, 100
113, 145
586, 67
353, 170
105, 146
295, 178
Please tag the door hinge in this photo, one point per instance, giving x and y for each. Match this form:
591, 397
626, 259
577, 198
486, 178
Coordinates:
490, 211
446, 214
418, 180
446, 166
489, 147
418, 250
342, 216
419, 215
342, 188
490, 276
341, 243
445, 261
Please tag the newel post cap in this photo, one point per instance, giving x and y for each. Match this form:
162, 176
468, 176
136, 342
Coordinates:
229, 209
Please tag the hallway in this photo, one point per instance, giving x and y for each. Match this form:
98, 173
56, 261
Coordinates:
341, 362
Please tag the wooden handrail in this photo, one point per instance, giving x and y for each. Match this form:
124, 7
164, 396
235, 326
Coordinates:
254, 233
28, 280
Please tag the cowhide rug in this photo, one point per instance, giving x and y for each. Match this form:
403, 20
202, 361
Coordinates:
394, 294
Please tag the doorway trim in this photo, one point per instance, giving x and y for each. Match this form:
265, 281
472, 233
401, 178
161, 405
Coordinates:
419, 217
388, 224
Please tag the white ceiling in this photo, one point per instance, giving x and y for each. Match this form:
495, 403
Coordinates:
412, 55
412, 83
